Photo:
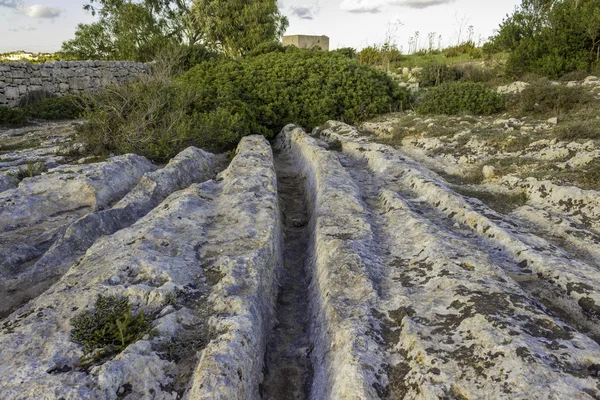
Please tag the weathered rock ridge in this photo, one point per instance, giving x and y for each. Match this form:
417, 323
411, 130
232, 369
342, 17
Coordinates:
326, 266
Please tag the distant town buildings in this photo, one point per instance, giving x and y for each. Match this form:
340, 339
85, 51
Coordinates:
307, 42
23, 56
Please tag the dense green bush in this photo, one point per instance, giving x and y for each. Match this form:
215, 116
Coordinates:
54, 108
217, 102
435, 73
12, 116
108, 329
544, 97
34, 96
473, 73
461, 97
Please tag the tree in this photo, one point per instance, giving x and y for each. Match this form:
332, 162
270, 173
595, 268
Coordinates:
237, 26
91, 42
551, 37
130, 30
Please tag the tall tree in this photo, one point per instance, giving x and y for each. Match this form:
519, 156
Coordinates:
237, 26
133, 30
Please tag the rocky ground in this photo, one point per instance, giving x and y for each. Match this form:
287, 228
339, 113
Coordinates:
332, 265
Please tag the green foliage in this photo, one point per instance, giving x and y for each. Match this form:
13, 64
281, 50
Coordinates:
237, 26
551, 38
33, 96
473, 73
574, 76
12, 116
221, 100
434, 74
370, 55
266, 47
303, 86
542, 97
467, 48
55, 108
150, 118
386, 56
349, 52
108, 329
461, 97
133, 30
32, 169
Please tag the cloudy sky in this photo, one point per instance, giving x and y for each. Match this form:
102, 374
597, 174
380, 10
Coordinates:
42, 25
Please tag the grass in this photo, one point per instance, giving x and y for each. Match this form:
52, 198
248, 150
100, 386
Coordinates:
501, 202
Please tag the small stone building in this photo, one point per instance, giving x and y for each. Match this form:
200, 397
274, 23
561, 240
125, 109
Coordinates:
307, 42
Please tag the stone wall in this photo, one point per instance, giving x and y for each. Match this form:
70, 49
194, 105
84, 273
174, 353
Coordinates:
62, 77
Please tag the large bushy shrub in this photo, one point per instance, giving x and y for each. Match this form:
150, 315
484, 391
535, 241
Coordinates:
217, 102
461, 97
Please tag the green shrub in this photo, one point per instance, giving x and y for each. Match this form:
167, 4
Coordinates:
434, 74
542, 97
12, 116
473, 73
461, 97
467, 48
217, 102
577, 130
370, 55
108, 329
150, 118
264, 48
574, 76
349, 52
34, 96
54, 108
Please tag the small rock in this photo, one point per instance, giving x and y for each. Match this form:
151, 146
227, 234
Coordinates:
553, 121
488, 171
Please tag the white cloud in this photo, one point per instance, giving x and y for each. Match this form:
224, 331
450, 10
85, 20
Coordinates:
420, 3
362, 6
24, 28
376, 6
38, 11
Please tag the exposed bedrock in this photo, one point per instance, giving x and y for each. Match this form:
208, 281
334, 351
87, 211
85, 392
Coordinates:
35, 214
190, 166
458, 319
201, 265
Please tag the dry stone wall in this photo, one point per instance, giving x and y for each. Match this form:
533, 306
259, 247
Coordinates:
62, 77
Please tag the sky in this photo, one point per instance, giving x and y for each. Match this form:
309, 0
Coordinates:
42, 25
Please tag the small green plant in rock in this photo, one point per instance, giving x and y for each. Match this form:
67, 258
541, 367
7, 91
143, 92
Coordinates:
108, 329
32, 169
